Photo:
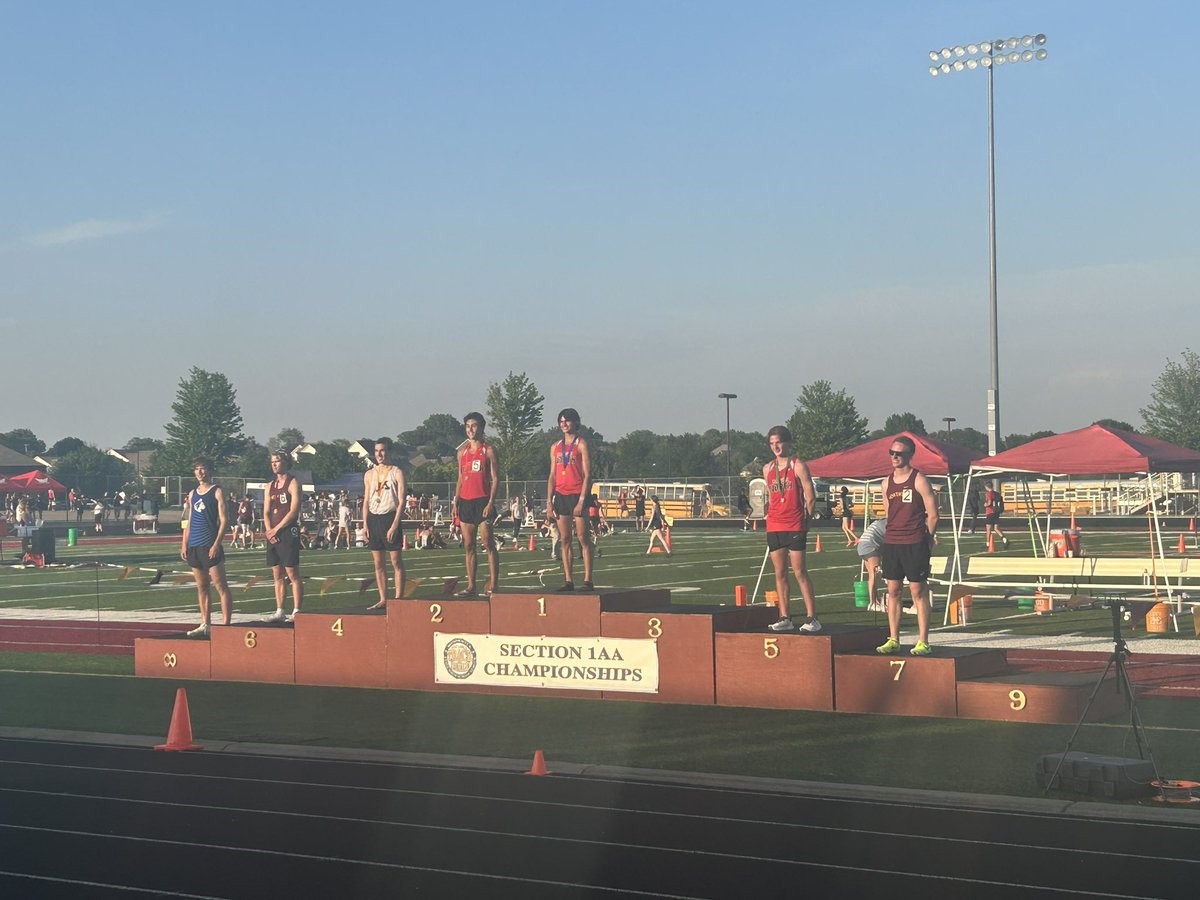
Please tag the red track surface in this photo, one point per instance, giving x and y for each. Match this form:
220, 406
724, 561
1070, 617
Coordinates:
98, 638
1155, 674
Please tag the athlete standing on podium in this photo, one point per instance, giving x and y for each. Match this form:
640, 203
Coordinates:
570, 491
281, 516
201, 547
474, 497
911, 519
382, 508
790, 502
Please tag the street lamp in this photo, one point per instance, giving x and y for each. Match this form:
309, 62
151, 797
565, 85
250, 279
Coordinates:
949, 420
728, 452
990, 55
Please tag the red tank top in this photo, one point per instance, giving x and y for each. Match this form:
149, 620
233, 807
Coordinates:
785, 507
568, 468
906, 511
475, 470
279, 501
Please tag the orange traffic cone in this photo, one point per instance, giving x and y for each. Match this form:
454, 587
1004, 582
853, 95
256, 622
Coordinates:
817, 549
403, 541
179, 736
755, 525
667, 535
539, 764
1182, 546
1192, 525
1073, 525
532, 544
991, 542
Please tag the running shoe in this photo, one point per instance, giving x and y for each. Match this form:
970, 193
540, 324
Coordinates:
199, 631
921, 649
466, 592
783, 625
587, 586
888, 647
276, 616
567, 587
291, 618
1005, 542
812, 626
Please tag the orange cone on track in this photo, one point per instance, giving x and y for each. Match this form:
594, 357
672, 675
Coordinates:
1182, 546
756, 524
1073, 525
817, 549
179, 737
1192, 525
539, 764
667, 534
532, 544
991, 543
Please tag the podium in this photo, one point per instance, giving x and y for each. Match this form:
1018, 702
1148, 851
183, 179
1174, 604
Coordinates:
620, 645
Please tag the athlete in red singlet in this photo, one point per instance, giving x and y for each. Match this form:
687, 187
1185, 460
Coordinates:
568, 494
790, 503
911, 519
474, 495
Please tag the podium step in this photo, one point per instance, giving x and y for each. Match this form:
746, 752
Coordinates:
411, 625
172, 656
254, 652
905, 685
1045, 697
347, 648
788, 670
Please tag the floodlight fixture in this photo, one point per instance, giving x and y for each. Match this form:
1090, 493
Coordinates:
990, 55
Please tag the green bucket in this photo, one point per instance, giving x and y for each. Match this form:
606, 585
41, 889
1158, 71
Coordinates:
862, 594
72, 536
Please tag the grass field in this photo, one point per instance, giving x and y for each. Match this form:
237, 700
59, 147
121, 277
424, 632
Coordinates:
705, 567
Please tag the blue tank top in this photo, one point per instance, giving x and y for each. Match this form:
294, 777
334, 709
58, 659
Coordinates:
203, 518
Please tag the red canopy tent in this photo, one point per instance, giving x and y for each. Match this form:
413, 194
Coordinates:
1096, 450
870, 460
34, 482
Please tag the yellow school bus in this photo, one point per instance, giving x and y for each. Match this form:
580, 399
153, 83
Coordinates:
678, 500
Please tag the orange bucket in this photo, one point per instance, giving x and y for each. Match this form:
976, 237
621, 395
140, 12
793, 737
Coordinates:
1158, 620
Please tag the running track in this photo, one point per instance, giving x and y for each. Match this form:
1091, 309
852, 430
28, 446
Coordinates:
96, 821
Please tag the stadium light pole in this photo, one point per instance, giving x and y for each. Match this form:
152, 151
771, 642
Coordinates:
990, 55
728, 452
949, 420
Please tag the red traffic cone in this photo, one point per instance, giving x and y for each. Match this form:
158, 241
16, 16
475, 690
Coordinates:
179, 736
817, 548
1192, 525
755, 525
667, 535
1073, 525
539, 764
532, 544
1182, 546
991, 542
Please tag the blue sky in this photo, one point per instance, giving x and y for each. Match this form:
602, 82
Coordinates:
363, 213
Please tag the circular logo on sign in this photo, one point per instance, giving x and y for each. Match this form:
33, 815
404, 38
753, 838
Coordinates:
459, 658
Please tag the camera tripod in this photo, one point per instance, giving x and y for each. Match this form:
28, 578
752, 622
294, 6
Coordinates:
1116, 660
